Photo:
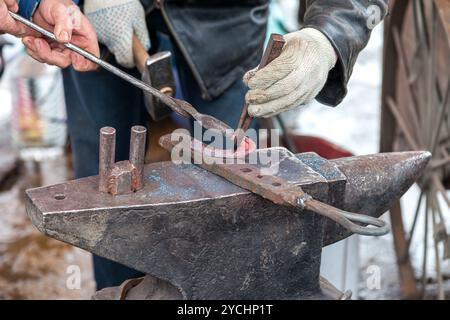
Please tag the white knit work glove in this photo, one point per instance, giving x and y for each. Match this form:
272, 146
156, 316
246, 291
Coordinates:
115, 21
292, 79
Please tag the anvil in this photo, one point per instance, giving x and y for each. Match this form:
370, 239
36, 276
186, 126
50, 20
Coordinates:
211, 239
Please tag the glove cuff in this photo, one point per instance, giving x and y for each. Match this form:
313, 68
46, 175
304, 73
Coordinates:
327, 49
94, 5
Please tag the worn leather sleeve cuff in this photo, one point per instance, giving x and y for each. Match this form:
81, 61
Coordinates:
335, 88
345, 24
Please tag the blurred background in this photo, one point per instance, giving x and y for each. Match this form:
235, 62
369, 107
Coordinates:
34, 151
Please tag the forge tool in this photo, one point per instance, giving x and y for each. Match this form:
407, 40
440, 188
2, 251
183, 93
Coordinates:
273, 50
181, 107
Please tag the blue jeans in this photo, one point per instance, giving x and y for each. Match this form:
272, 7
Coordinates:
97, 99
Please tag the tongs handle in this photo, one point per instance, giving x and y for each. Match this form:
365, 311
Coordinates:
348, 219
140, 55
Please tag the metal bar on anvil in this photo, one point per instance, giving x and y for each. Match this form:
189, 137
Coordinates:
255, 173
212, 239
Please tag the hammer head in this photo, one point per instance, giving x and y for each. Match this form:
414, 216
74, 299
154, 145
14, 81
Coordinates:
158, 73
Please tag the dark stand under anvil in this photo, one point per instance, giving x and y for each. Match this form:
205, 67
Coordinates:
213, 240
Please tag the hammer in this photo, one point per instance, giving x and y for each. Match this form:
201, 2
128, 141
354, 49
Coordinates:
156, 71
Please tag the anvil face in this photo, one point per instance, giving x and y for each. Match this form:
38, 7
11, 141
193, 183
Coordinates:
211, 239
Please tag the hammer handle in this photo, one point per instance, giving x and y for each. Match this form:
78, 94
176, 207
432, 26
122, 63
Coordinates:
140, 54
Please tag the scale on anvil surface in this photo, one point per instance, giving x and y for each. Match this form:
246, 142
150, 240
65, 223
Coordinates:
208, 238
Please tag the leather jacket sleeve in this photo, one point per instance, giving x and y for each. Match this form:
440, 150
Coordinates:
348, 25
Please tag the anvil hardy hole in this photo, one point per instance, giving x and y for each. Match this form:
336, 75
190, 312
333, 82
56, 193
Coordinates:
60, 196
276, 184
246, 170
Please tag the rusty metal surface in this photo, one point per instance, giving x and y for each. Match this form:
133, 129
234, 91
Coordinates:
212, 239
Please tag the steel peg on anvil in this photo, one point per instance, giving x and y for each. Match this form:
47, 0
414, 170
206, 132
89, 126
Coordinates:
107, 156
124, 176
137, 152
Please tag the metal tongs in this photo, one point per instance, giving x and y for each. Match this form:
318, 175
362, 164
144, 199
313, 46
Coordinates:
181, 107
276, 189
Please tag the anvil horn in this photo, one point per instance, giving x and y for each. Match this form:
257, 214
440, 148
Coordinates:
211, 239
374, 182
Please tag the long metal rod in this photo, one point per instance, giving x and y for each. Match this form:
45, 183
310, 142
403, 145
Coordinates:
169, 101
181, 107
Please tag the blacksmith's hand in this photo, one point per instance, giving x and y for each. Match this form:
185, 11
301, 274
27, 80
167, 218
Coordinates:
115, 22
294, 78
66, 21
7, 23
